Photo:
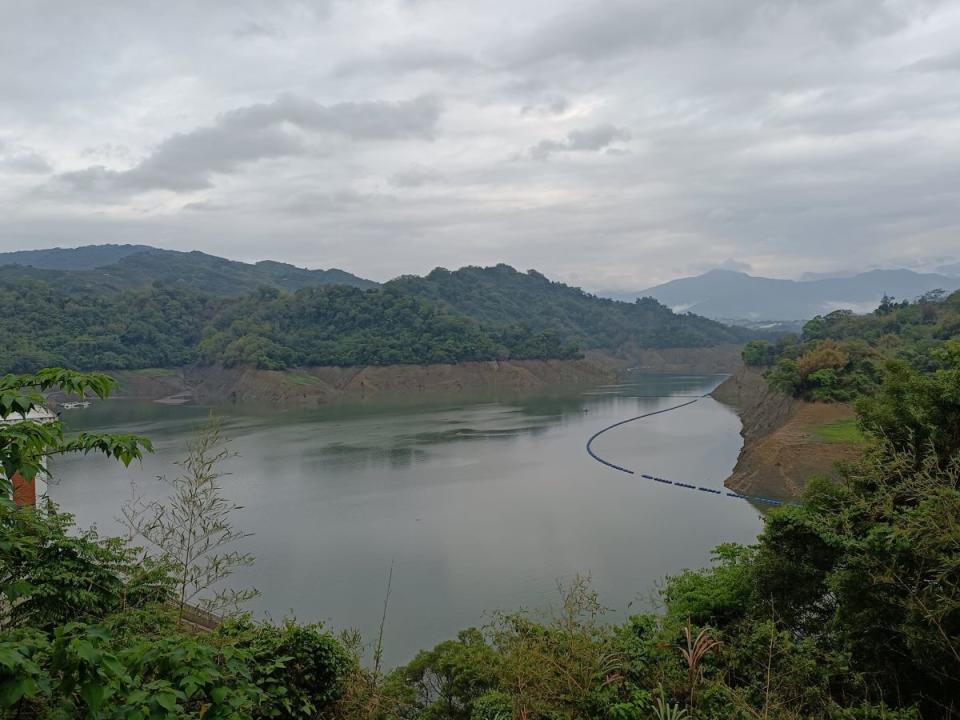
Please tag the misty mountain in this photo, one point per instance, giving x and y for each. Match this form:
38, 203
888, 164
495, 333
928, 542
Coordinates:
724, 294
87, 257
103, 268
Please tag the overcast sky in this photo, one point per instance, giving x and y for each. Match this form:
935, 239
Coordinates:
609, 144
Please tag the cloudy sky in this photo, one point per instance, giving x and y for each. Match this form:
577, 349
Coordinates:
612, 144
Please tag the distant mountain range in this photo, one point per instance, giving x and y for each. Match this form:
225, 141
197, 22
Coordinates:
732, 296
103, 268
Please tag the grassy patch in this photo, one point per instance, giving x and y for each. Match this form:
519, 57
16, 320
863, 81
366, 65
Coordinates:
301, 379
156, 372
842, 431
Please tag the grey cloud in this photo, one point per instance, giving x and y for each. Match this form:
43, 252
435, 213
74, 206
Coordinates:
406, 58
187, 161
315, 203
416, 176
554, 106
371, 120
790, 135
204, 206
938, 63
24, 162
604, 28
253, 29
592, 139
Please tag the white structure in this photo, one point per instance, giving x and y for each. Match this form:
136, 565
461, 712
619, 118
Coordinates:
27, 493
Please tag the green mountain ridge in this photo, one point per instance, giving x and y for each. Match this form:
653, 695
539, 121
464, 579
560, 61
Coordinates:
501, 295
128, 267
164, 309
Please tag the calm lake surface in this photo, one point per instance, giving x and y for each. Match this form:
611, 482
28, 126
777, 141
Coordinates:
479, 505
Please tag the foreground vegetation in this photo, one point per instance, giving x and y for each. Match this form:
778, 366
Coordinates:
847, 606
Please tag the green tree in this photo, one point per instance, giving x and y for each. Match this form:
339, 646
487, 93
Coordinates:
25, 445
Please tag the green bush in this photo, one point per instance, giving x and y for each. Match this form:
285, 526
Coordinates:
300, 669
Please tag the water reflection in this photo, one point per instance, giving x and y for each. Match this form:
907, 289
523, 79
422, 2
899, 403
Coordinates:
481, 505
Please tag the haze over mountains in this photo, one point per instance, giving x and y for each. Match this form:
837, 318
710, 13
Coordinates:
731, 295
127, 267
718, 294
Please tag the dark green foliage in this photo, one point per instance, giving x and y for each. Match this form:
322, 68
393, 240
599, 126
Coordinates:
841, 355
50, 575
347, 326
80, 671
454, 680
759, 353
83, 635
472, 314
716, 596
300, 668
45, 325
334, 325
499, 296
918, 412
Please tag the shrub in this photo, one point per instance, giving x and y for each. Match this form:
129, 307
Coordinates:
301, 669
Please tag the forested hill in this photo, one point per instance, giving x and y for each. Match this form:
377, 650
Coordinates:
172, 309
106, 268
166, 327
841, 356
501, 295
86, 257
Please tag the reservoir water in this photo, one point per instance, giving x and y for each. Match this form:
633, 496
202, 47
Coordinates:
480, 505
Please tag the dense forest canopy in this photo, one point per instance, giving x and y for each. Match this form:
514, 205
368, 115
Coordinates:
840, 356
166, 327
501, 295
69, 318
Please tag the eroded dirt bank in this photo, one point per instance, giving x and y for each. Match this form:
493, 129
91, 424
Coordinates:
707, 360
781, 447
304, 387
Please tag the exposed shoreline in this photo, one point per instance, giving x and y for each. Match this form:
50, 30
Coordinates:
308, 387
781, 450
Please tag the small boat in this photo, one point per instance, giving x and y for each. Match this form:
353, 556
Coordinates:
75, 405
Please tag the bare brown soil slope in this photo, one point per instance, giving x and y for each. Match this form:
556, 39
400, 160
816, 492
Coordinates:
717, 359
781, 447
305, 387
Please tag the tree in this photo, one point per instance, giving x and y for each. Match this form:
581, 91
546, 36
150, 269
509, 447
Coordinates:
192, 531
26, 444
758, 352
918, 412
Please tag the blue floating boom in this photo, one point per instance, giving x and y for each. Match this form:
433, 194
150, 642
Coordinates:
712, 491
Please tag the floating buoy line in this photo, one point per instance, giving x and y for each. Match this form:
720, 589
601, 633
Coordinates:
664, 481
